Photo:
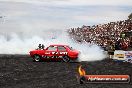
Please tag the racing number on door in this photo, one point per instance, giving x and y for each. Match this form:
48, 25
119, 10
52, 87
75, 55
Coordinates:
52, 51
63, 53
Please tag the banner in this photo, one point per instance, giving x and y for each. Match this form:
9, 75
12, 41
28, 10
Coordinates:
123, 55
128, 56
119, 55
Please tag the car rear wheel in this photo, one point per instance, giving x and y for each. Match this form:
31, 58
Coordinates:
37, 58
66, 59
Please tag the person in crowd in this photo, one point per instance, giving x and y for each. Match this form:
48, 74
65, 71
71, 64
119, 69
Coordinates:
102, 33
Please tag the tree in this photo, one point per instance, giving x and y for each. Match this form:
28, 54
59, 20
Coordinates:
130, 16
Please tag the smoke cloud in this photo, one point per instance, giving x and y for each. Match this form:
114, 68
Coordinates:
23, 26
16, 44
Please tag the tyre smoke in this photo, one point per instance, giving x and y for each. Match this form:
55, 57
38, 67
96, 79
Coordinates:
15, 44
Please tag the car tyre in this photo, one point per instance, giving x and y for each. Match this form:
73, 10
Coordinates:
66, 59
36, 58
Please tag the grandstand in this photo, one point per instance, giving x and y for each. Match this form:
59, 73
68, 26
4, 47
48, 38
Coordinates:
111, 36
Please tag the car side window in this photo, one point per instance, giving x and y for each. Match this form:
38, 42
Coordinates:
52, 48
61, 48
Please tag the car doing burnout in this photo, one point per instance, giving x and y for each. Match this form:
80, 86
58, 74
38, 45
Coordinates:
55, 52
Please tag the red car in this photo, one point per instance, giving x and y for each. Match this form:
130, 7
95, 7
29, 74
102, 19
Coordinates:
55, 52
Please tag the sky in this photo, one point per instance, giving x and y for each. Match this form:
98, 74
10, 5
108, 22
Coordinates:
26, 23
32, 17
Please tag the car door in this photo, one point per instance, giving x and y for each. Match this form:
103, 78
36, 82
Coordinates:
51, 52
62, 51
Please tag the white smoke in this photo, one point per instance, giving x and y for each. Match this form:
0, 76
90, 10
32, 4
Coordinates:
17, 45
90, 52
23, 26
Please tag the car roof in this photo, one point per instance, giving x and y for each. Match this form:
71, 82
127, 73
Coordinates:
58, 45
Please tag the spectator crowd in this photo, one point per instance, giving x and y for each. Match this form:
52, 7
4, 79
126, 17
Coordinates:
109, 36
